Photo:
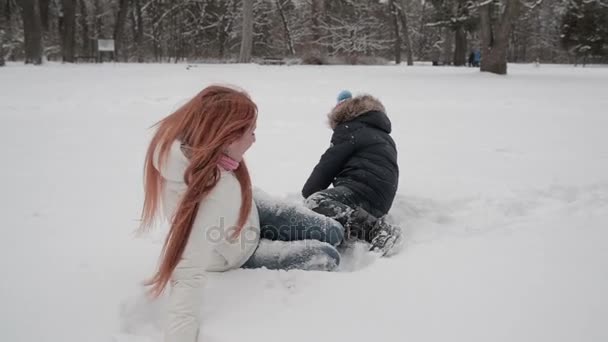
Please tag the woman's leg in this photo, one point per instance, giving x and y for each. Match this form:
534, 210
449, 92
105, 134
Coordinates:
290, 222
308, 255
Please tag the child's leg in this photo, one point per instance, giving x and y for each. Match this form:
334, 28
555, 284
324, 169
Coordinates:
341, 204
290, 222
336, 203
308, 255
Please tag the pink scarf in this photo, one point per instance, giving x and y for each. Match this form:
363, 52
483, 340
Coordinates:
227, 163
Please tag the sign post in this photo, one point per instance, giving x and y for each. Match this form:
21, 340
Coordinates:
105, 45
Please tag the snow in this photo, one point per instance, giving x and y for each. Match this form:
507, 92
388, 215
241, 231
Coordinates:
503, 196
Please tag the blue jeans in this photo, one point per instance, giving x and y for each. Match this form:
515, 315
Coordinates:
295, 237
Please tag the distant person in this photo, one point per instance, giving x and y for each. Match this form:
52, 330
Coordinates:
477, 59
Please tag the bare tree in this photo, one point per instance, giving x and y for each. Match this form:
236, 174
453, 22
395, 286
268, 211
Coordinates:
343, 30
460, 36
288, 37
86, 49
138, 30
4, 22
406, 30
448, 44
33, 31
119, 29
247, 38
2, 47
44, 14
68, 30
395, 15
423, 36
460, 46
352, 33
316, 15
224, 25
496, 24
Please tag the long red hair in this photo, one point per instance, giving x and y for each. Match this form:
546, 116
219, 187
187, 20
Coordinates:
206, 125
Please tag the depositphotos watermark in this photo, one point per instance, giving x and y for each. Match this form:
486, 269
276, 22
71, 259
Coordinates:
327, 231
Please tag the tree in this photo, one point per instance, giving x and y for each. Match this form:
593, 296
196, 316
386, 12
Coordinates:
4, 22
399, 16
456, 18
318, 31
247, 38
32, 27
406, 31
496, 24
460, 37
395, 14
44, 14
585, 29
316, 22
424, 36
288, 36
138, 30
68, 30
354, 31
86, 46
119, 30
266, 30
2, 47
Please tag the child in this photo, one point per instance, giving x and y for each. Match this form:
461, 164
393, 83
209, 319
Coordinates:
361, 162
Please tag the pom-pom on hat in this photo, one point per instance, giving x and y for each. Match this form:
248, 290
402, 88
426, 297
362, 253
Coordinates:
344, 95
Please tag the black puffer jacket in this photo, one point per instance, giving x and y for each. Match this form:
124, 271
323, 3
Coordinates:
362, 155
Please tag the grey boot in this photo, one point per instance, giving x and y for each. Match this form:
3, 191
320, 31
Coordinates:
359, 224
384, 236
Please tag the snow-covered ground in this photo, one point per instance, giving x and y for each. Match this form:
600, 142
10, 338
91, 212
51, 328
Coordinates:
503, 195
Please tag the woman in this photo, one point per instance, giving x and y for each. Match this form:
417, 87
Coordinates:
194, 172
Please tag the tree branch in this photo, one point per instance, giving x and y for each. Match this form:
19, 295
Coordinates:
531, 5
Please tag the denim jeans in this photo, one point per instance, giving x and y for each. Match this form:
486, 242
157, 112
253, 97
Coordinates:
295, 237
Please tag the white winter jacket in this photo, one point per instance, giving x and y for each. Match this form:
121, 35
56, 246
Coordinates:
210, 246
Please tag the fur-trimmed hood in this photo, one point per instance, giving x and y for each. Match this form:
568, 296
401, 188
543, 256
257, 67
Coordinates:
351, 109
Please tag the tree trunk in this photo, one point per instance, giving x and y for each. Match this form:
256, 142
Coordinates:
394, 13
460, 36
460, 49
226, 27
86, 41
174, 37
247, 38
315, 28
98, 26
406, 30
448, 38
495, 36
421, 30
68, 31
2, 47
524, 52
221, 39
138, 31
32, 31
99, 29
5, 21
288, 38
119, 30
44, 14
